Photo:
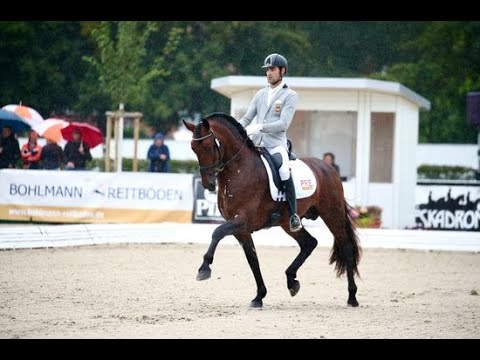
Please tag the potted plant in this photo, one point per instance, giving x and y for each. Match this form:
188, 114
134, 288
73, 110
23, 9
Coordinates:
369, 216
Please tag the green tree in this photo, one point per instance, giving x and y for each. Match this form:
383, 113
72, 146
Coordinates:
444, 69
356, 48
41, 64
124, 66
164, 69
220, 48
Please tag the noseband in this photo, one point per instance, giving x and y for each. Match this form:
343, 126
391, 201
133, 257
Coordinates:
220, 164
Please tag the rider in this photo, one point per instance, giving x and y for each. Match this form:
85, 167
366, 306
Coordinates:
274, 107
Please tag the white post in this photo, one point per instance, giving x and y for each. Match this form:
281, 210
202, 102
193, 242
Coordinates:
362, 170
120, 139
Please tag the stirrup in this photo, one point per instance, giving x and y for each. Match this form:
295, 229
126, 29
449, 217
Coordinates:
295, 223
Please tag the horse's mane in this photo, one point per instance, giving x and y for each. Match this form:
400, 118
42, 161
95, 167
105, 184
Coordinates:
229, 120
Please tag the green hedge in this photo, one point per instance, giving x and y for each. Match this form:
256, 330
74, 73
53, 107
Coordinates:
142, 134
176, 166
444, 172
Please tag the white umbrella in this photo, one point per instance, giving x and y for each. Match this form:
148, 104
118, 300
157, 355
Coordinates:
29, 115
51, 129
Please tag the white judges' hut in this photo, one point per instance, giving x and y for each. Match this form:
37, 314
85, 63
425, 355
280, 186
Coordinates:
371, 126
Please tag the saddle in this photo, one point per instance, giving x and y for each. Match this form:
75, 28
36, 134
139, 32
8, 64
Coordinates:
275, 161
303, 178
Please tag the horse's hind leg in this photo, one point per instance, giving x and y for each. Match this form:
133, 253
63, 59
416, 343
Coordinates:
251, 254
352, 287
346, 249
307, 243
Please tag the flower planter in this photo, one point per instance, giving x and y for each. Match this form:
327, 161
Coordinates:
367, 216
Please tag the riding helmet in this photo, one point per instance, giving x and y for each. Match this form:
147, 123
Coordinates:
275, 60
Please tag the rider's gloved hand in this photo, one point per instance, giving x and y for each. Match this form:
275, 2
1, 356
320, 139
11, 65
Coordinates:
253, 129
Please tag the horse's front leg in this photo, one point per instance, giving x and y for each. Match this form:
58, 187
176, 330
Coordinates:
249, 248
228, 228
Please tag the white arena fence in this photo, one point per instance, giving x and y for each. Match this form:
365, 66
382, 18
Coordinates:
51, 236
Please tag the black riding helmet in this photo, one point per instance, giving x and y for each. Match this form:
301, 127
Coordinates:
275, 60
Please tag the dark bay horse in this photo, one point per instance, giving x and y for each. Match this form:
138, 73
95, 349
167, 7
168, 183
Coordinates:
226, 154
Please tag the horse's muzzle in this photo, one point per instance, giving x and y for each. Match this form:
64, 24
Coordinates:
209, 183
210, 187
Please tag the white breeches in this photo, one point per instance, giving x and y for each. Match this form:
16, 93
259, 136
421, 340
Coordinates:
284, 170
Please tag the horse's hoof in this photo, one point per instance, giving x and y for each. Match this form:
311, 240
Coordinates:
295, 287
256, 304
204, 274
353, 303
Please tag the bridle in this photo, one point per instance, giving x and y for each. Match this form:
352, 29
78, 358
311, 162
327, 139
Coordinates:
220, 165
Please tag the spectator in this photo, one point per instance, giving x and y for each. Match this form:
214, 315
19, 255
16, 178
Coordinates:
76, 152
31, 152
329, 158
9, 149
52, 156
159, 155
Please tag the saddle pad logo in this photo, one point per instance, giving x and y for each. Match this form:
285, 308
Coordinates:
303, 179
306, 184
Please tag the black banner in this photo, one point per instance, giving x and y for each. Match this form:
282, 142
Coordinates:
442, 210
205, 209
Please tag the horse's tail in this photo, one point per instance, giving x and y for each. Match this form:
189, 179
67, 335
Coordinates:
342, 251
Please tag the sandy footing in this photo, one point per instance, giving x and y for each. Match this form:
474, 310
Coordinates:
150, 291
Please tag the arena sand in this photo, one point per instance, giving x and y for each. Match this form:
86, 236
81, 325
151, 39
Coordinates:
150, 291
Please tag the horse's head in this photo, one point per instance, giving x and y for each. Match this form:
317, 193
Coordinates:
205, 145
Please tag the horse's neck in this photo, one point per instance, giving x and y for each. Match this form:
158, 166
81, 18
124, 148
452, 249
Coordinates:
246, 159
232, 150
245, 165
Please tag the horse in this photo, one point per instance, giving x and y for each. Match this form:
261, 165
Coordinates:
227, 156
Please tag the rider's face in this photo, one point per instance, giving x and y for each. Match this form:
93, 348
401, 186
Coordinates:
273, 75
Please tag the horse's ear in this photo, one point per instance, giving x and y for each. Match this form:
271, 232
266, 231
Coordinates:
189, 126
206, 124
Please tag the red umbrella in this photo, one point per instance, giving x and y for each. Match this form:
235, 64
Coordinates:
91, 135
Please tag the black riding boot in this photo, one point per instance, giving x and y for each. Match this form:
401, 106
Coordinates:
295, 222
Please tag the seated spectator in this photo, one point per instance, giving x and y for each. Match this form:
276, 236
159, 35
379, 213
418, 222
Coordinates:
159, 155
329, 158
31, 152
9, 149
76, 152
52, 156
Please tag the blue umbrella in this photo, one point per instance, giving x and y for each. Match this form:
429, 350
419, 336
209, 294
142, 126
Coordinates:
12, 120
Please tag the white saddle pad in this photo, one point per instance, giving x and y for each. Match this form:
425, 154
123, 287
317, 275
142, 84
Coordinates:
303, 179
